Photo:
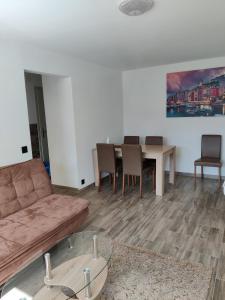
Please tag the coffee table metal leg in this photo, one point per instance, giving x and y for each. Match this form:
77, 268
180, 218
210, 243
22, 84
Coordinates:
70, 242
87, 281
48, 266
95, 246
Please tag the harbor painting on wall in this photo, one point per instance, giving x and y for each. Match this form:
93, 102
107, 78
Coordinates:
196, 93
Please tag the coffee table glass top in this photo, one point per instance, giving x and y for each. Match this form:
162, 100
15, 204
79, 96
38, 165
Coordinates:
74, 265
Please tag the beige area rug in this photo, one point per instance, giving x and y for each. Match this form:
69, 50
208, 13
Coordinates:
137, 274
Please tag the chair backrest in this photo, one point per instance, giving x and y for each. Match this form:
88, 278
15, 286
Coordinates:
132, 159
131, 140
211, 146
106, 157
21, 185
153, 140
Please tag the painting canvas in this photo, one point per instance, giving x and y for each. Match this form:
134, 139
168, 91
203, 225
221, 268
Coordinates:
196, 93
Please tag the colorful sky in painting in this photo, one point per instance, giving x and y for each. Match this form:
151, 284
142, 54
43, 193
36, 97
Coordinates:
185, 80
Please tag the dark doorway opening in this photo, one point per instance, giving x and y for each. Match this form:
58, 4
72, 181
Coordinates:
37, 118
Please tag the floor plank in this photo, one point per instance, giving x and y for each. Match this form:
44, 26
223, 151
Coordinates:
188, 222
219, 290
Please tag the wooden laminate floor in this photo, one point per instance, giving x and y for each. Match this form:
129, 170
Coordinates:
187, 222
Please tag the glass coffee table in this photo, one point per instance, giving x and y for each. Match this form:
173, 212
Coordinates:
76, 268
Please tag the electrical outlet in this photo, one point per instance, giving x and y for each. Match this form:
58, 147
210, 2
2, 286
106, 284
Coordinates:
24, 149
82, 181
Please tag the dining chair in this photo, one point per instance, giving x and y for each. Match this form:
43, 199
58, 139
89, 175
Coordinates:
210, 154
106, 163
133, 165
153, 140
131, 140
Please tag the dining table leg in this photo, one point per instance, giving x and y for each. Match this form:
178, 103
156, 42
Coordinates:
95, 165
160, 175
172, 166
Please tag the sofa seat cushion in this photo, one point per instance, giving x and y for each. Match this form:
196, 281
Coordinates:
25, 228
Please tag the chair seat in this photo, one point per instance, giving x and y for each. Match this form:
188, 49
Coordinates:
208, 161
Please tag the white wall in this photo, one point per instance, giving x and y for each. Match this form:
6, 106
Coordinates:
14, 123
144, 105
97, 103
98, 109
99, 114
61, 130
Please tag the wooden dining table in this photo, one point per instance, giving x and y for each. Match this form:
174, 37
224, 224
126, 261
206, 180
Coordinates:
157, 152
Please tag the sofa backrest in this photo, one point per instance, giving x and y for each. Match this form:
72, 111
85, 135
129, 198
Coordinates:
21, 185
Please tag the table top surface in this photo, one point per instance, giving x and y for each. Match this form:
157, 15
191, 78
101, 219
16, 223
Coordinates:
28, 283
151, 148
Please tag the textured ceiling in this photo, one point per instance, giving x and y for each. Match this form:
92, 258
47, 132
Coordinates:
95, 30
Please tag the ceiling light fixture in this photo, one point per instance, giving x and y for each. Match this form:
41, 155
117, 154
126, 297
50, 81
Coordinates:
135, 7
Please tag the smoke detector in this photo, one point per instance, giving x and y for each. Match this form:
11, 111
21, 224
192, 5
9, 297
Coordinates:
135, 7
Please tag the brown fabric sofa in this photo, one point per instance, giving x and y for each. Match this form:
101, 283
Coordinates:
32, 218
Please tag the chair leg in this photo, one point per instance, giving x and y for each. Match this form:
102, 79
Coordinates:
114, 183
133, 180
99, 182
202, 174
141, 186
195, 173
111, 178
153, 180
128, 180
219, 174
123, 187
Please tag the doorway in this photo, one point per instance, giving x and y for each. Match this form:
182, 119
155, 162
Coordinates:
37, 119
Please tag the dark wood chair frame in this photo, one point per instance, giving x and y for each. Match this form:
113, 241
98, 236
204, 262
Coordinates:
131, 140
112, 170
135, 174
205, 160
